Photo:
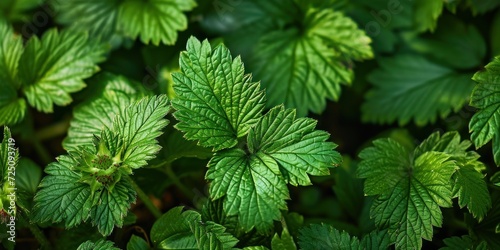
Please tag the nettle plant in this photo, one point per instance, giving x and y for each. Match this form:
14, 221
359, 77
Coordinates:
135, 158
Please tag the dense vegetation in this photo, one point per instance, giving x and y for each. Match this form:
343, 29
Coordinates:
250, 124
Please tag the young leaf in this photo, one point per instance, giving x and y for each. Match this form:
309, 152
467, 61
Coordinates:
101, 244
53, 67
485, 124
409, 190
216, 103
154, 21
285, 242
12, 108
177, 229
410, 87
281, 150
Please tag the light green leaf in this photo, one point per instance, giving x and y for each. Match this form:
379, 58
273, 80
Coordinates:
281, 149
101, 244
185, 230
285, 242
61, 197
426, 14
90, 117
53, 67
216, 103
323, 236
485, 124
409, 190
156, 21
139, 125
301, 68
111, 206
410, 87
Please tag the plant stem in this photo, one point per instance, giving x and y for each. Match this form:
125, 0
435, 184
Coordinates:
40, 237
52, 131
173, 177
145, 198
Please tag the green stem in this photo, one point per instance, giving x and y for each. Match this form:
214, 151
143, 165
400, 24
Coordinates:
40, 237
173, 177
145, 198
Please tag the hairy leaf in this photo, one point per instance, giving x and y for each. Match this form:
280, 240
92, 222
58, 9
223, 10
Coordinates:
410, 87
216, 103
485, 124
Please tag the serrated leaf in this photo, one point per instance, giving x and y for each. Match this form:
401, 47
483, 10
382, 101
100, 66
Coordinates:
281, 149
90, 117
216, 103
61, 197
53, 67
426, 14
462, 243
101, 244
189, 232
139, 125
302, 67
111, 206
410, 87
485, 124
323, 236
156, 21
283, 242
409, 190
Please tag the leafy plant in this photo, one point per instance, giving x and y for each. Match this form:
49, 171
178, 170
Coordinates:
167, 124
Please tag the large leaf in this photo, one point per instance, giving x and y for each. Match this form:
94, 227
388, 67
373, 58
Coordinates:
410, 87
409, 190
485, 124
281, 149
216, 102
53, 67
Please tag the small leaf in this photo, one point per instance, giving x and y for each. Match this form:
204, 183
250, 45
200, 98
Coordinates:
326, 237
216, 103
101, 244
137, 243
285, 242
426, 14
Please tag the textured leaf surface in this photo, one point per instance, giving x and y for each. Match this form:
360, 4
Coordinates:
185, 230
53, 67
410, 87
101, 244
462, 243
156, 21
281, 150
485, 124
409, 191
216, 103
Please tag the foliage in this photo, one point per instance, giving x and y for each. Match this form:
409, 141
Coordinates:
249, 124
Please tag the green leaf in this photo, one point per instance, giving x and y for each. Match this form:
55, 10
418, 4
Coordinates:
53, 67
323, 236
302, 67
281, 149
485, 124
185, 230
15, 10
101, 244
410, 87
137, 243
462, 243
112, 206
12, 108
92, 116
28, 176
216, 103
61, 196
426, 14
175, 146
98, 17
460, 46
409, 190
139, 125
285, 242
156, 21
